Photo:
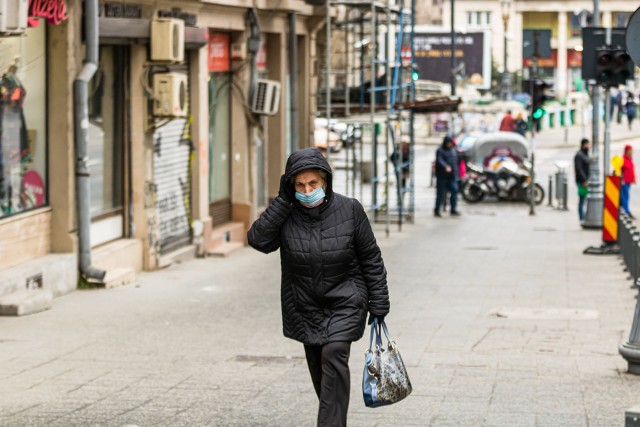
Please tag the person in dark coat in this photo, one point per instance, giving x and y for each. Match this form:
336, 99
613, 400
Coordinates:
631, 108
332, 274
521, 125
447, 174
581, 166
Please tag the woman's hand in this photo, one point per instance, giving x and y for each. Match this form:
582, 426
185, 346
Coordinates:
371, 316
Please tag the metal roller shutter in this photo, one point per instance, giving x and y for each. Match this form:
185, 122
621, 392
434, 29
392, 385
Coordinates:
172, 171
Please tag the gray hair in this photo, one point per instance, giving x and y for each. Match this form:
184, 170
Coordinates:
323, 174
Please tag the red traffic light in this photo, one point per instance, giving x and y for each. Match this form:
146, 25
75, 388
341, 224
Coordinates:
622, 58
604, 59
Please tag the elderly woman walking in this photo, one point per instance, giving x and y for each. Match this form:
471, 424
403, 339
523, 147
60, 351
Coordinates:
332, 274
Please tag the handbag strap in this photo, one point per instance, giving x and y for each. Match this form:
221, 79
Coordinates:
386, 332
377, 332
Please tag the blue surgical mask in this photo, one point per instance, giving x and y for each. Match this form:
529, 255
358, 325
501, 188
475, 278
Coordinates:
312, 199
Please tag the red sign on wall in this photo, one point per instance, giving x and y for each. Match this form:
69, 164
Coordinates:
219, 59
54, 11
261, 57
574, 60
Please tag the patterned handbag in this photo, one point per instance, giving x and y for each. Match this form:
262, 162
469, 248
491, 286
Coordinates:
385, 380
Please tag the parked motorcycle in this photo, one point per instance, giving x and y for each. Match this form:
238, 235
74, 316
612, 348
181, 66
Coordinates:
511, 181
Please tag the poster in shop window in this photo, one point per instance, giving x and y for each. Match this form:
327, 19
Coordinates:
219, 58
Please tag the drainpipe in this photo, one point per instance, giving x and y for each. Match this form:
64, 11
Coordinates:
81, 130
293, 81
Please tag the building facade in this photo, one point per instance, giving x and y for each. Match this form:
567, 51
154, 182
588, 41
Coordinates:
563, 19
162, 185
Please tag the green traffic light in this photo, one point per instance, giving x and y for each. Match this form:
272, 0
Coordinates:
414, 76
538, 113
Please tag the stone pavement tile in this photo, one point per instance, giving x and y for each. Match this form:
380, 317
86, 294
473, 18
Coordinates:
606, 421
471, 387
522, 418
456, 419
467, 405
561, 419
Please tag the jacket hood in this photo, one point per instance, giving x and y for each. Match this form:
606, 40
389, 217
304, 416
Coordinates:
309, 158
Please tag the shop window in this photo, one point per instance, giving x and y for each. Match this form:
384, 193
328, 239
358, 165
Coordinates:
23, 126
622, 19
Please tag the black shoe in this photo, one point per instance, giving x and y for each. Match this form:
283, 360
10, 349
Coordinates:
455, 213
436, 213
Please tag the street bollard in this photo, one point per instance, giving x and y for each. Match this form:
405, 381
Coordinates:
565, 195
626, 244
635, 259
630, 247
630, 350
550, 191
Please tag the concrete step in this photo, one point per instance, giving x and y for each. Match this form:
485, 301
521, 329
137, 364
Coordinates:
228, 232
182, 254
117, 254
116, 277
26, 301
56, 272
225, 249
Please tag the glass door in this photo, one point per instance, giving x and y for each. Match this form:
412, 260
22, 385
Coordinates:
106, 145
219, 147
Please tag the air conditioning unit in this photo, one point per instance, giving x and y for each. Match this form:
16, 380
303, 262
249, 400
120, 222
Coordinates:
13, 16
170, 95
167, 40
266, 97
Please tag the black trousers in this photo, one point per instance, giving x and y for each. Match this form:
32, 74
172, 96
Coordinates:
329, 369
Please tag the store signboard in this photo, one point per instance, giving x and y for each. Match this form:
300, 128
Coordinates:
54, 11
219, 58
473, 57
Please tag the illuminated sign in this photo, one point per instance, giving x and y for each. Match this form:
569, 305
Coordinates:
54, 11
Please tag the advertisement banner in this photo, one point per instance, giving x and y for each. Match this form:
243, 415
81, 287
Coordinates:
219, 58
473, 57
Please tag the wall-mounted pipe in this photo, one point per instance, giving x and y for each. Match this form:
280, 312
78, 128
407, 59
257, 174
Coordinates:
293, 81
81, 131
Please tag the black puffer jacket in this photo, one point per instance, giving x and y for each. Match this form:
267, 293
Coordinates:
332, 268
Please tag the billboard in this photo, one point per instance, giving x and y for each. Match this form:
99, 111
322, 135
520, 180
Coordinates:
473, 57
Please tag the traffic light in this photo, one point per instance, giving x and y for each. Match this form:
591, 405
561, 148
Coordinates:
539, 96
622, 66
414, 72
613, 66
604, 66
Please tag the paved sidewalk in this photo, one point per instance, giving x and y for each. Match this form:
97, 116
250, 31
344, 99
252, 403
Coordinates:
500, 318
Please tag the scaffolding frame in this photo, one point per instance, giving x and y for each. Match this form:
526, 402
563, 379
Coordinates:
390, 26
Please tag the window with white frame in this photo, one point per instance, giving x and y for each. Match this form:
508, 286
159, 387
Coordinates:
479, 19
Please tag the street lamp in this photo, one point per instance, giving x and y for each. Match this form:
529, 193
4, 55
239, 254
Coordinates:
505, 91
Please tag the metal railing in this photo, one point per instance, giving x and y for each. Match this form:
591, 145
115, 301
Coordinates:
629, 243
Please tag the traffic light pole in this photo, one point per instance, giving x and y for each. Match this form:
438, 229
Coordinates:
534, 124
593, 216
607, 131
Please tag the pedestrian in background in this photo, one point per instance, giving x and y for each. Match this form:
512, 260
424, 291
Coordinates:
508, 124
581, 165
520, 124
628, 178
447, 175
631, 108
616, 105
332, 274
